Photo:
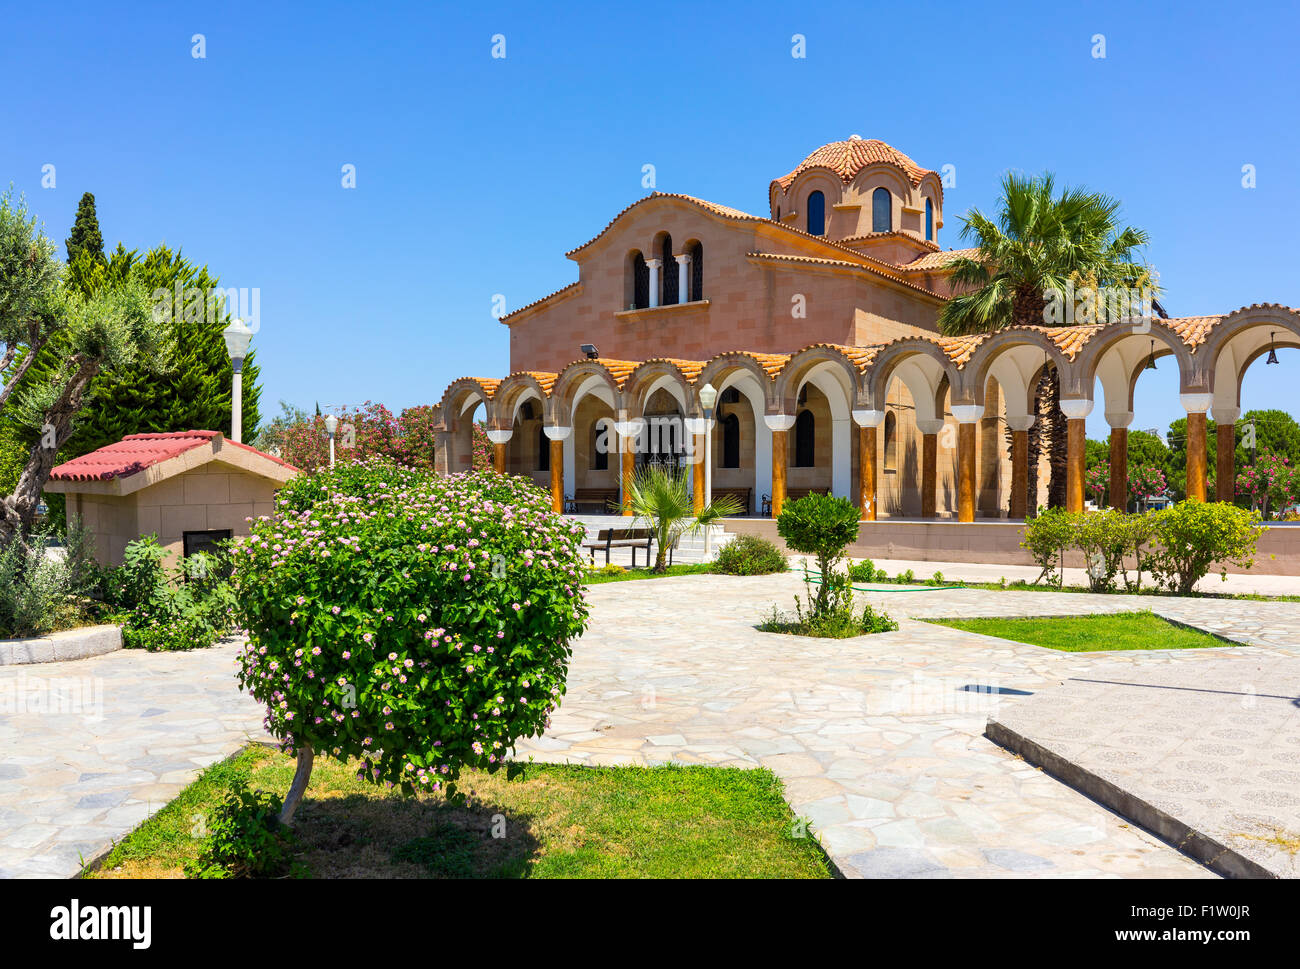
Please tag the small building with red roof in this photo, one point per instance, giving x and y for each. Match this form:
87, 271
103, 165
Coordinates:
190, 488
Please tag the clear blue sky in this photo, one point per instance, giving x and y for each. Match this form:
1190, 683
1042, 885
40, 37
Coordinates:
475, 174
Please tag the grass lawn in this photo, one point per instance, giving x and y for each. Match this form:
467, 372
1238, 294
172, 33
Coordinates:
627, 575
1082, 634
558, 822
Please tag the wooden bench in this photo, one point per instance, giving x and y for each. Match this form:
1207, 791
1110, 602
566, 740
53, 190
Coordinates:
605, 499
612, 538
740, 494
790, 495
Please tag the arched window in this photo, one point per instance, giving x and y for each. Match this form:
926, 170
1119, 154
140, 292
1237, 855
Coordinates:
730, 441
805, 440
697, 270
668, 275
929, 221
543, 449
816, 214
640, 282
881, 210
599, 455
891, 441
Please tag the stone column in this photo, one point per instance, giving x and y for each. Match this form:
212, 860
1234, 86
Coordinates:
1196, 405
499, 436
556, 436
1225, 465
1119, 423
868, 421
1076, 412
967, 415
1017, 507
929, 465
683, 277
442, 445
780, 425
697, 478
654, 265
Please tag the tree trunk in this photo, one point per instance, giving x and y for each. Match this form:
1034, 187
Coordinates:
301, 777
18, 510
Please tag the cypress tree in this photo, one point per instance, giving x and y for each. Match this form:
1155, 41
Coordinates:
85, 236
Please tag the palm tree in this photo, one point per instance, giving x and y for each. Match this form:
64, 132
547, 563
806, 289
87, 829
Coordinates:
660, 499
1041, 242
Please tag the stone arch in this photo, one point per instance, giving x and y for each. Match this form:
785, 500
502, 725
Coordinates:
649, 377
460, 394
574, 381
1017, 354
1126, 340
921, 365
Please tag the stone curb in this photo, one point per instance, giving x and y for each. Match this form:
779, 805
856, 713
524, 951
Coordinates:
1216, 856
60, 647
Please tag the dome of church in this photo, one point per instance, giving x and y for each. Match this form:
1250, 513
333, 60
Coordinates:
847, 158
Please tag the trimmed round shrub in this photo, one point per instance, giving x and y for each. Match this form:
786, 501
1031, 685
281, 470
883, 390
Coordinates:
822, 526
750, 555
417, 624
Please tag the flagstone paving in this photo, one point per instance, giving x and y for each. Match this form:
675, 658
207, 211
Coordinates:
879, 740
92, 747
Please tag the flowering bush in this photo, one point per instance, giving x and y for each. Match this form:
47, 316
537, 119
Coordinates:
418, 624
1192, 537
1272, 483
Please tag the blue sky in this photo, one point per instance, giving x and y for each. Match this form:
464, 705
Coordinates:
474, 175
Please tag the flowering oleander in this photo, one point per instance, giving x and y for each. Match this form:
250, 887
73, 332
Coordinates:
415, 623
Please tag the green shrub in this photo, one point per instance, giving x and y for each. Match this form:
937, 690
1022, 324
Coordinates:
937, 578
42, 588
1103, 538
907, 578
822, 526
189, 609
750, 555
865, 571
837, 621
415, 623
1046, 537
1191, 537
244, 839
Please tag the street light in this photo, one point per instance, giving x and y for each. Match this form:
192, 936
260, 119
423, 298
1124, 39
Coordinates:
238, 336
708, 397
331, 424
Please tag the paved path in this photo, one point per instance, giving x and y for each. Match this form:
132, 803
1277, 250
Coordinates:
879, 740
90, 748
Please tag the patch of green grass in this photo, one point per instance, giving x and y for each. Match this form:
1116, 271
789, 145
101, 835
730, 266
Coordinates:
556, 821
1081, 634
627, 575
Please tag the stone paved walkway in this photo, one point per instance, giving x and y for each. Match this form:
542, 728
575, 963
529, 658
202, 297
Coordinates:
879, 741
90, 748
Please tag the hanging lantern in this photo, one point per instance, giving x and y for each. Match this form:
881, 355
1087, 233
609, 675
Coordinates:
1272, 349
1151, 360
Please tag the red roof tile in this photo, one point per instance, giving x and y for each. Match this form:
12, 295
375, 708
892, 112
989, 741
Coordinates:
847, 158
135, 452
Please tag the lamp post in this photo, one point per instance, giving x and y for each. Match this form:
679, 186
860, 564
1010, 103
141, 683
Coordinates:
331, 424
708, 397
238, 336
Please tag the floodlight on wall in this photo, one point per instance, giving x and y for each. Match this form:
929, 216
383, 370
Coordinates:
1151, 360
1272, 349
589, 350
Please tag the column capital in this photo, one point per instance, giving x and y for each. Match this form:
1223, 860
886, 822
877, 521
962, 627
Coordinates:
967, 413
683, 257
556, 432
629, 428
930, 426
1225, 415
1196, 403
1119, 418
1021, 422
654, 263
499, 435
869, 418
1076, 408
778, 422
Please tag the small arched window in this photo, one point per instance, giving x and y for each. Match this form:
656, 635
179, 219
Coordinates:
730, 441
640, 282
881, 210
816, 214
929, 221
543, 450
805, 440
891, 442
668, 275
697, 270
599, 454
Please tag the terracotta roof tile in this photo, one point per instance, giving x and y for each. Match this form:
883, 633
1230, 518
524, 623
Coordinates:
847, 264
930, 261
961, 348
847, 158
1194, 330
135, 452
